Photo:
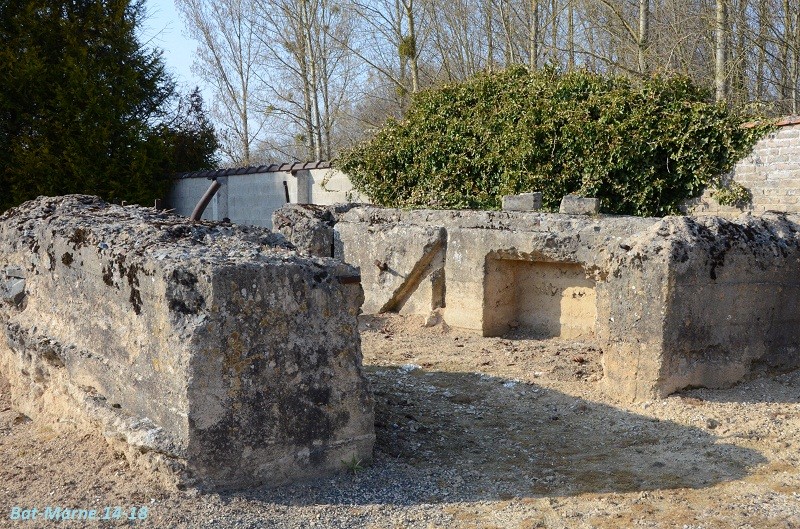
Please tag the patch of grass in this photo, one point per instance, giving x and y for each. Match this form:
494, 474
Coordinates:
354, 465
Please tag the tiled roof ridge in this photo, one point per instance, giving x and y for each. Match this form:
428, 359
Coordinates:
254, 169
784, 121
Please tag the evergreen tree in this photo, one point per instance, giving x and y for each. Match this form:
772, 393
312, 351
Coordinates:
189, 137
82, 102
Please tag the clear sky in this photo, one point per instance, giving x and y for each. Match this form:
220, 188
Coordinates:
164, 29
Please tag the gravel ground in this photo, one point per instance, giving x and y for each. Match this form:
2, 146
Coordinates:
471, 432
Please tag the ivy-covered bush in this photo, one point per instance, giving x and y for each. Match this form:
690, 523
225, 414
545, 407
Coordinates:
641, 147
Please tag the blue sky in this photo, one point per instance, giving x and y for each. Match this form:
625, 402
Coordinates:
164, 29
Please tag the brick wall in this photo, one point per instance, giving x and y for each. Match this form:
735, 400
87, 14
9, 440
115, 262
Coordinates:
771, 173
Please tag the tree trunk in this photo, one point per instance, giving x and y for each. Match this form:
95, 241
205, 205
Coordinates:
402, 79
489, 36
571, 35
721, 49
245, 132
740, 92
244, 85
554, 31
313, 82
326, 107
784, 58
795, 65
408, 6
534, 35
507, 33
644, 30
763, 17
302, 55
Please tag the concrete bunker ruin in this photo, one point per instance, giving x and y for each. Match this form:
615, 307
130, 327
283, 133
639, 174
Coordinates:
674, 302
211, 353
542, 298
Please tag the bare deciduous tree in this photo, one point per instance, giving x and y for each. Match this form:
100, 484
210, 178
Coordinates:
721, 51
227, 57
322, 72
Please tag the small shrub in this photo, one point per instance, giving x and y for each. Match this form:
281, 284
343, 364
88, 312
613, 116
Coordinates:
731, 194
642, 148
354, 465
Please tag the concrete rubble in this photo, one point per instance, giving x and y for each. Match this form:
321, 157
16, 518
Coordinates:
674, 302
309, 227
212, 353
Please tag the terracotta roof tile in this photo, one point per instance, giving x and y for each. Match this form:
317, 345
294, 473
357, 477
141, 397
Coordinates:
778, 122
253, 169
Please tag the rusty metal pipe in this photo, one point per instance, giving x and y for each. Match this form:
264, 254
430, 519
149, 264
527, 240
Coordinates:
201, 206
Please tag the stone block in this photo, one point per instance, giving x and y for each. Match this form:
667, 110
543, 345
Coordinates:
574, 205
212, 353
401, 263
308, 227
12, 285
522, 202
696, 301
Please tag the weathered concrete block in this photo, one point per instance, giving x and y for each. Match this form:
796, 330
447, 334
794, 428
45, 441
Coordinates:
214, 352
402, 264
522, 202
309, 227
495, 263
574, 205
696, 301
541, 273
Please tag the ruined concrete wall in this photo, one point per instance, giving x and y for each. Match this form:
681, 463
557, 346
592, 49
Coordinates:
735, 298
771, 172
632, 308
546, 299
674, 302
216, 352
475, 251
704, 299
559, 241
401, 262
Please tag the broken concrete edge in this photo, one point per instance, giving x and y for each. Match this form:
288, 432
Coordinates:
401, 292
706, 314
309, 227
165, 286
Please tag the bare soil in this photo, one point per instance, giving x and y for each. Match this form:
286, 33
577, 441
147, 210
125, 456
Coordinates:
471, 432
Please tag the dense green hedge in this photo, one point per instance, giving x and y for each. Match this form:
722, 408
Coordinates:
641, 147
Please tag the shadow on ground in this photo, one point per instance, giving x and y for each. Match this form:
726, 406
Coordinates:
452, 437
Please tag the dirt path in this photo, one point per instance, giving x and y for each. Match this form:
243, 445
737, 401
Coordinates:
474, 432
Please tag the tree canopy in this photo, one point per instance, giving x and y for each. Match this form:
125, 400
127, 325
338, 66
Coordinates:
304, 79
84, 107
642, 148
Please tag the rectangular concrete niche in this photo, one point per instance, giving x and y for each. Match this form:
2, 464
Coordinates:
537, 298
